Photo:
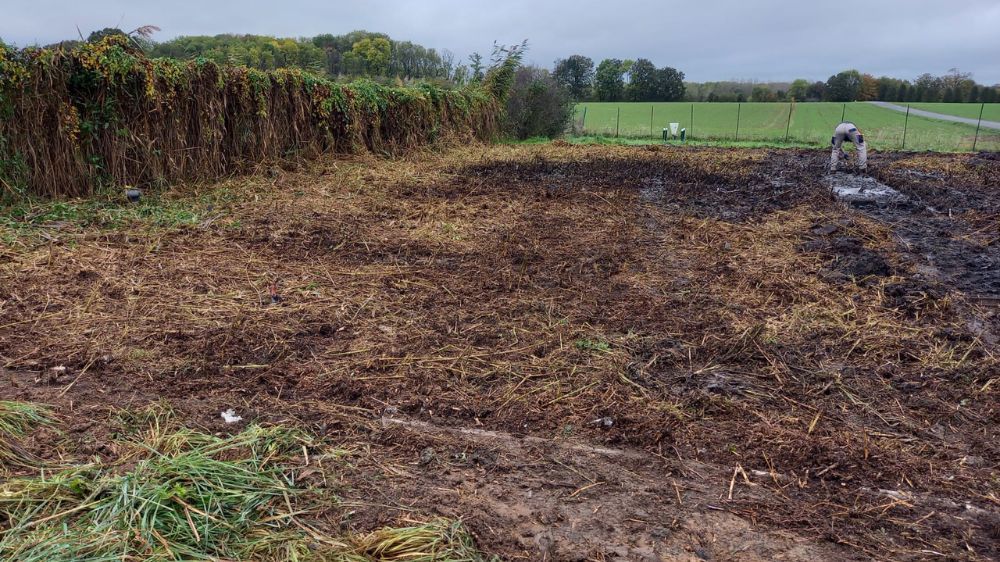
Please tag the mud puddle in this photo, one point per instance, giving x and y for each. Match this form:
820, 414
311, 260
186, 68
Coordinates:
860, 189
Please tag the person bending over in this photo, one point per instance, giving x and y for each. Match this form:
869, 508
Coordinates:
844, 132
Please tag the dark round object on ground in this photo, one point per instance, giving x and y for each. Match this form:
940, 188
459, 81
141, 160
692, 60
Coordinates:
133, 195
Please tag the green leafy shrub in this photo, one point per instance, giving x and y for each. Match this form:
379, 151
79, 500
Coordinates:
538, 106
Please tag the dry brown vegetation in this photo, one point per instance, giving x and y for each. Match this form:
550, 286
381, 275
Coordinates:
104, 114
584, 352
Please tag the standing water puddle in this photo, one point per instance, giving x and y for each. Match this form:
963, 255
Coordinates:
862, 189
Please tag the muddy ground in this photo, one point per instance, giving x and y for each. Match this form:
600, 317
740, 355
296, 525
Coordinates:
587, 353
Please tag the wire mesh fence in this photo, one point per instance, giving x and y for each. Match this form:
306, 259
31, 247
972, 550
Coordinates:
939, 127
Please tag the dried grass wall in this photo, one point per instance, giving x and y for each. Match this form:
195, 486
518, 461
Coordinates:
104, 114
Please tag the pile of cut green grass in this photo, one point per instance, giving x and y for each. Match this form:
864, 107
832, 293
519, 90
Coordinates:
31, 219
179, 494
17, 420
203, 500
438, 540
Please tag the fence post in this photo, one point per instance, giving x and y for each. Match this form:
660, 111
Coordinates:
618, 121
843, 114
691, 132
978, 125
651, 122
583, 125
789, 124
739, 107
905, 123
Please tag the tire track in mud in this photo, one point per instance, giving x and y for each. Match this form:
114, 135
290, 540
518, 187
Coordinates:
640, 506
561, 499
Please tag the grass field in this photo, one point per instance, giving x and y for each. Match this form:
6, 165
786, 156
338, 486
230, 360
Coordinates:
991, 111
810, 123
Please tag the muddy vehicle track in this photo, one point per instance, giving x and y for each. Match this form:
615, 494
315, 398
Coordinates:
948, 225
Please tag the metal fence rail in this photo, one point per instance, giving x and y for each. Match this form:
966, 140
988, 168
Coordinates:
808, 123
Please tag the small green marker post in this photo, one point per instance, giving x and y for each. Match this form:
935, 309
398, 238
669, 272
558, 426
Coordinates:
978, 125
739, 108
789, 123
906, 122
691, 135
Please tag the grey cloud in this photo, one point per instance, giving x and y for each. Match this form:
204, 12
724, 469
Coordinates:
707, 39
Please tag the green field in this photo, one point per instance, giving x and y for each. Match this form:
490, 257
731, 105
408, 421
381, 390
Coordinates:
811, 123
991, 111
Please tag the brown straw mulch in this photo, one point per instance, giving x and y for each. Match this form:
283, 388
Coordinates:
750, 351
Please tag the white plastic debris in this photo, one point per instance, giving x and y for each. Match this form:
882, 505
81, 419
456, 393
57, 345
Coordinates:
604, 422
229, 416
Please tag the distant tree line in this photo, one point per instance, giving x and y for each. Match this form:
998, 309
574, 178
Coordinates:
618, 80
640, 80
358, 53
851, 85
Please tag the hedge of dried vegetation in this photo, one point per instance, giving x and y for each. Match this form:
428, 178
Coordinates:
105, 114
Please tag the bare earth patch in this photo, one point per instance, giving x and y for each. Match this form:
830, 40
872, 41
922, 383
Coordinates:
585, 353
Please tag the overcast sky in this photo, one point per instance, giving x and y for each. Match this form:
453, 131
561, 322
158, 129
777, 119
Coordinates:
706, 39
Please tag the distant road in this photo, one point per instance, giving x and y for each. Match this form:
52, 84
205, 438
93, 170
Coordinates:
941, 116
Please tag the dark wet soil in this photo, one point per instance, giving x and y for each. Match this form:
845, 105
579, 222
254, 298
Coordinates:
849, 259
951, 223
733, 186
